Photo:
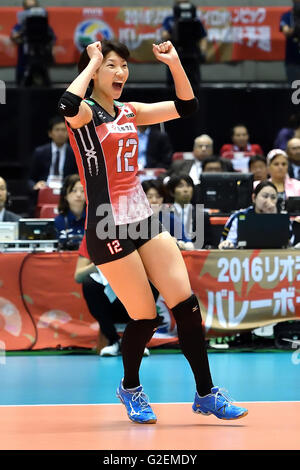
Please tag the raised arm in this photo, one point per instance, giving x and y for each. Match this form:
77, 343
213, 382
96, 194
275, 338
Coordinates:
185, 104
76, 111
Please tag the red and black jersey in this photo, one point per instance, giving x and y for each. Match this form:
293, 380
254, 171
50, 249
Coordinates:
106, 151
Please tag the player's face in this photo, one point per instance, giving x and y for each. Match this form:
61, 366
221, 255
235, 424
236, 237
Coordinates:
3, 193
59, 134
265, 201
183, 193
278, 167
112, 75
240, 136
75, 198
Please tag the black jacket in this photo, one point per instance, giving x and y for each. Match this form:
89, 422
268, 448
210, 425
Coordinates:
41, 162
159, 149
10, 216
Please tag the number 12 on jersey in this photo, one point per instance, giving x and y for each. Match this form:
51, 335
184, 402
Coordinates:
127, 155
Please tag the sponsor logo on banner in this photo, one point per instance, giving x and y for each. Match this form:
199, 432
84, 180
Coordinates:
91, 30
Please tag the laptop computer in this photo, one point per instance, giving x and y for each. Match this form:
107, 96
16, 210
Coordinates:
8, 231
263, 230
37, 229
292, 205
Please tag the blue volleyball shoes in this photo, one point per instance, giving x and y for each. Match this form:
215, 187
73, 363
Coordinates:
218, 404
137, 405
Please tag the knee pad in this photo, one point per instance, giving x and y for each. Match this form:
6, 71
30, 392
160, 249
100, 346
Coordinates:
187, 307
153, 323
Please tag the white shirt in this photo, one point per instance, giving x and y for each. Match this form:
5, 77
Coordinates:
196, 171
143, 144
2, 215
186, 216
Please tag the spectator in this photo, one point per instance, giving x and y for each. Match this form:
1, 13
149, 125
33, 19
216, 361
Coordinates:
52, 162
69, 223
102, 302
203, 148
277, 160
212, 165
258, 166
181, 189
155, 149
290, 27
287, 133
293, 151
185, 30
240, 150
6, 215
33, 57
264, 199
156, 195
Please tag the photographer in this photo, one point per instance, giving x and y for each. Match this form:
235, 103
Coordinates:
290, 27
35, 40
188, 35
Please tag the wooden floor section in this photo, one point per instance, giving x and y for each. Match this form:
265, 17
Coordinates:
268, 426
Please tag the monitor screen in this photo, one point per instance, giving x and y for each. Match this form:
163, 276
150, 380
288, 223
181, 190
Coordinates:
37, 229
225, 191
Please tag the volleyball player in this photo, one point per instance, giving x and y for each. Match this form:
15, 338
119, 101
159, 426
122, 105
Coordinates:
103, 135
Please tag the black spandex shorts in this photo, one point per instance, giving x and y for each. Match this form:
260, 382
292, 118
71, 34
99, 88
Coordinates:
117, 241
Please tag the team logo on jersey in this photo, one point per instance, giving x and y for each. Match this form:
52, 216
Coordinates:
128, 112
120, 129
102, 115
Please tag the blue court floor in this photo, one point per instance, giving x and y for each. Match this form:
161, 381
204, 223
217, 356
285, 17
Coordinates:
89, 379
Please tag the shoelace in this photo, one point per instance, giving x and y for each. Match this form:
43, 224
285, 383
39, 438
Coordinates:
143, 399
222, 393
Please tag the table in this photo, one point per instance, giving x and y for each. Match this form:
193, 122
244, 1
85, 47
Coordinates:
41, 306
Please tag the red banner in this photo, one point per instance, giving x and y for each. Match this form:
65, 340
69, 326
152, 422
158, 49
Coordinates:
234, 33
41, 306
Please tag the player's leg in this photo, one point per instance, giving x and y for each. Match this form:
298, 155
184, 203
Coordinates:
166, 269
128, 279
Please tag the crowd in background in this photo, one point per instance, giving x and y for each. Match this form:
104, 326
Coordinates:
170, 177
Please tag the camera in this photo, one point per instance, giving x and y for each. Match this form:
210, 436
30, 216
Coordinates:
187, 30
37, 42
36, 37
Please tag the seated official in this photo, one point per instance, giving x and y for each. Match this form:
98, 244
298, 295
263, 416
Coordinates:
102, 302
202, 149
156, 195
265, 198
155, 150
69, 223
277, 160
240, 144
258, 167
212, 165
181, 190
6, 215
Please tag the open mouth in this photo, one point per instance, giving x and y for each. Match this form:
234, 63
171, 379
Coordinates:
118, 85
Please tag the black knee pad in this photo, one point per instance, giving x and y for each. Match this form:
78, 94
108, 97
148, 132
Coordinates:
153, 323
187, 307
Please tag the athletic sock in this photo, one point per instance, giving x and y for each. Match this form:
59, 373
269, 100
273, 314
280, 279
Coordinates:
192, 342
136, 335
